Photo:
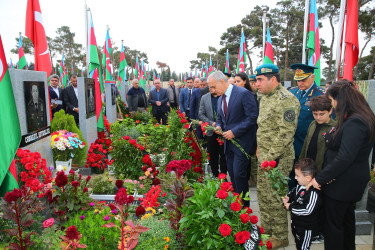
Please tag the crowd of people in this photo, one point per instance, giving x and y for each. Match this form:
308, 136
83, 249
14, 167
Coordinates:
320, 138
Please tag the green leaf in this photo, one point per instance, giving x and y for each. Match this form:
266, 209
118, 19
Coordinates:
220, 213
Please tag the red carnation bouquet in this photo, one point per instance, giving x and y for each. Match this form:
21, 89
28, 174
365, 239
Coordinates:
279, 182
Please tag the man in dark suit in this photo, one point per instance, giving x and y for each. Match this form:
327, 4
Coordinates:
55, 94
71, 99
208, 113
159, 99
237, 114
185, 97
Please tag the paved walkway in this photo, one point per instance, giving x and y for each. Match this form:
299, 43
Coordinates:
363, 242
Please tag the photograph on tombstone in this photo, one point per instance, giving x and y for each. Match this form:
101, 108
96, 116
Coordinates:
90, 97
35, 105
113, 94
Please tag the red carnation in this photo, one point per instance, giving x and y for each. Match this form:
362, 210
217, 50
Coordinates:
119, 184
13, 196
72, 233
244, 218
140, 211
141, 147
242, 237
264, 164
225, 230
75, 183
221, 194
261, 230
254, 219
61, 179
272, 164
248, 210
261, 243
222, 176
187, 126
235, 206
184, 120
132, 142
227, 186
269, 245
126, 137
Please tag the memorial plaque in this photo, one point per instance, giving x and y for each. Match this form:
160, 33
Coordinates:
113, 94
90, 97
35, 105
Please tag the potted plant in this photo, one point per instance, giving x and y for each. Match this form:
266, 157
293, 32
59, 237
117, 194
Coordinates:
64, 146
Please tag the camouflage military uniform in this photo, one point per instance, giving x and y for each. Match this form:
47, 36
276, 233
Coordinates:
277, 123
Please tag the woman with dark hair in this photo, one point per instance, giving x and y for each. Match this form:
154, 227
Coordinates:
242, 80
346, 170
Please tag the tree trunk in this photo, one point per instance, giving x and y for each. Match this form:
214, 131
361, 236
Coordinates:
331, 49
372, 67
286, 52
360, 54
250, 61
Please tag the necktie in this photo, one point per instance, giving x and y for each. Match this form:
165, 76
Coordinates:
36, 106
189, 97
303, 92
225, 106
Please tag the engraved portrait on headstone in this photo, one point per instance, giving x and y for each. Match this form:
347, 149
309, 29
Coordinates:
90, 97
35, 103
113, 94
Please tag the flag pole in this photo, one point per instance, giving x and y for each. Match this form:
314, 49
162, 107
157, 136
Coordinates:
87, 40
305, 23
264, 33
339, 38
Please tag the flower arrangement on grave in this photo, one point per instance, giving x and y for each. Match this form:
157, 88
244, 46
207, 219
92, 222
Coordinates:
32, 170
129, 157
65, 145
223, 221
279, 182
97, 156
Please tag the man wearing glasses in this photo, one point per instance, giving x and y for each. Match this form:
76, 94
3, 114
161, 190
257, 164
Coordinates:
55, 94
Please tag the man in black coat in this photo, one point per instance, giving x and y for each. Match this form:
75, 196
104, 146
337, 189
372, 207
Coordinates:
71, 99
55, 94
159, 99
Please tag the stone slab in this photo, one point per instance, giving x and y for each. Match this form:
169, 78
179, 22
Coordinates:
43, 146
110, 108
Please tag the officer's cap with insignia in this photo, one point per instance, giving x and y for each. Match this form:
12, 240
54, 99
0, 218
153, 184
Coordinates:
252, 78
267, 68
302, 71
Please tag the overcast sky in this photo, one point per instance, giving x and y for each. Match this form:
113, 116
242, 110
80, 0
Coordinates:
169, 31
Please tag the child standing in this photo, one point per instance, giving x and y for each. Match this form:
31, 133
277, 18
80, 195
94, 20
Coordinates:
303, 204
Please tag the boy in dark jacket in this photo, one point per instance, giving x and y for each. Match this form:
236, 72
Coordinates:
303, 204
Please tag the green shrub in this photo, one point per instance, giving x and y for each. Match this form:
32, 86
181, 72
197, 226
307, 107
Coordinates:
102, 184
94, 236
64, 121
158, 235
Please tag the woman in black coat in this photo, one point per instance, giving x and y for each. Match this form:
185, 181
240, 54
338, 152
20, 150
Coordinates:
346, 169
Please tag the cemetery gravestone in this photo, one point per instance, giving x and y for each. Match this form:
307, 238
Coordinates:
110, 101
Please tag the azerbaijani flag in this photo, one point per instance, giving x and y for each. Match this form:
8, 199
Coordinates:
142, 79
63, 74
10, 132
313, 41
202, 70
22, 59
210, 69
227, 68
136, 68
268, 54
11, 64
123, 64
241, 54
96, 73
107, 57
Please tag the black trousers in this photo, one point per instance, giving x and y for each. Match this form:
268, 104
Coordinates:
173, 105
302, 237
217, 155
339, 230
237, 165
161, 116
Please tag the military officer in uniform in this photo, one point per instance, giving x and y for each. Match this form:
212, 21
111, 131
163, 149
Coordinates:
36, 111
277, 123
306, 90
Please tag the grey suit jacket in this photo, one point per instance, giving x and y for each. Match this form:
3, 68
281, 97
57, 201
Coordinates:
170, 93
206, 113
